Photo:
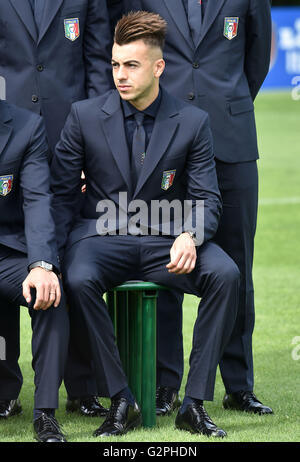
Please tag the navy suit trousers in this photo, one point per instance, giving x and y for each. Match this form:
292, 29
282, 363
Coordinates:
96, 264
239, 189
50, 335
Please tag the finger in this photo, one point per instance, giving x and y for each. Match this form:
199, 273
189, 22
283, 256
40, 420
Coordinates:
184, 260
26, 291
52, 296
58, 296
40, 298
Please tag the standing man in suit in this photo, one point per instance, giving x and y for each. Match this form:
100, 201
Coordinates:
217, 54
52, 53
163, 152
28, 269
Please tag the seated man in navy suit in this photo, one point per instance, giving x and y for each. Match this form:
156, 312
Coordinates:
28, 270
140, 147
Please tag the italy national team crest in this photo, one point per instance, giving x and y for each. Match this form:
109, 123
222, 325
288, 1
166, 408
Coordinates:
72, 31
6, 182
231, 27
167, 179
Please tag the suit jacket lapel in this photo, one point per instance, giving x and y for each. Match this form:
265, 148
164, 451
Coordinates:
24, 11
177, 11
116, 138
51, 8
163, 132
212, 10
5, 129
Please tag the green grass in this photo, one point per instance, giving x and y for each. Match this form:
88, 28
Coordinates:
277, 287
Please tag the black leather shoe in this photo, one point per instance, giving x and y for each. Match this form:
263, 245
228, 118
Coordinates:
47, 429
8, 408
196, 420
88, 406
121, 418
245, 401
167, 400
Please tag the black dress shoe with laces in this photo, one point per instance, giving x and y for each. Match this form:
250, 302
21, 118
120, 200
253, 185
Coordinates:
88, 406
121, 418
9, 408
196, 420
47, 429
167, 400
245, 401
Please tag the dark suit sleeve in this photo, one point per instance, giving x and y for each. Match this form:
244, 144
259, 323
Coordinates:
66, 169
37, 200
202, 184
97, 49
258, 44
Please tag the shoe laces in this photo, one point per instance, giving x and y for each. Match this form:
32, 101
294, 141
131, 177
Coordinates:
249, 396
202, 411
113, 410
50, 424
163, 395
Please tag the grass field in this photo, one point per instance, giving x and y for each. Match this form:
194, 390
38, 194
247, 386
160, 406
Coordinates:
277, 285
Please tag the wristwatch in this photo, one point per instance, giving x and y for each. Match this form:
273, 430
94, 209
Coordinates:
43, 264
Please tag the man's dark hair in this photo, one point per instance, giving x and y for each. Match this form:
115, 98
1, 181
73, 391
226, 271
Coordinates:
141, 25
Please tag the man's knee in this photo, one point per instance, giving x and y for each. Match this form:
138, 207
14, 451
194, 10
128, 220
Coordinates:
81, 279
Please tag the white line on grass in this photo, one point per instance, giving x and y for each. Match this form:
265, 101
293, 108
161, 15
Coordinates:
279, 201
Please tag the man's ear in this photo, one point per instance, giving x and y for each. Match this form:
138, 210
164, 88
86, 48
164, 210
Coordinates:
159, 67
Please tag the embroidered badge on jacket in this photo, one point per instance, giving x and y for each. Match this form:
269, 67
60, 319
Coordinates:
72, 31
6, 182
167, 179
231, 27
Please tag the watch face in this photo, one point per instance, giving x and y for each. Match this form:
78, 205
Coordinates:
48, 266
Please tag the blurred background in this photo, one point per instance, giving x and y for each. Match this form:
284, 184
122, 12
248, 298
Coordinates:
285, 60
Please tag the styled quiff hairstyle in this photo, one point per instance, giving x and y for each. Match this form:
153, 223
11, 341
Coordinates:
141, 25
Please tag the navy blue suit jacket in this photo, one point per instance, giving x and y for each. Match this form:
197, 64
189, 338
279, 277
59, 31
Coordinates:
219, 75
46, 71
26, 222
94, 140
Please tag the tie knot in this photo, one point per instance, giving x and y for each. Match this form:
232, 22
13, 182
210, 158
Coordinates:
139, 118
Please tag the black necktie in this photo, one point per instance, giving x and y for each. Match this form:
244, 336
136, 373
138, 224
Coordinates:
37, 8
195, 18
138, 147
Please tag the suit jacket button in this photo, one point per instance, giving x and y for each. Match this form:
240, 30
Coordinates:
40, 67
195, 65
34, 98
191, 95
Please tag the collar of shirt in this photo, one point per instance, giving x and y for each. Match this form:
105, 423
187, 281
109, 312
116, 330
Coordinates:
151, 111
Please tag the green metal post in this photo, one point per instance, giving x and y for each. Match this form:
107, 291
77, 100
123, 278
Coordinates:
149, 358
122, 329
135, 344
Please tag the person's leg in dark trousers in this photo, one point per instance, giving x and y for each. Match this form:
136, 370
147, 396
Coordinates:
239, 187
50, 331
10, 372
91, 267
170, 359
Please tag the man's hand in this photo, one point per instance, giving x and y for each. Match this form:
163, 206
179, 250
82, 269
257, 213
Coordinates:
47, 288
183, 255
